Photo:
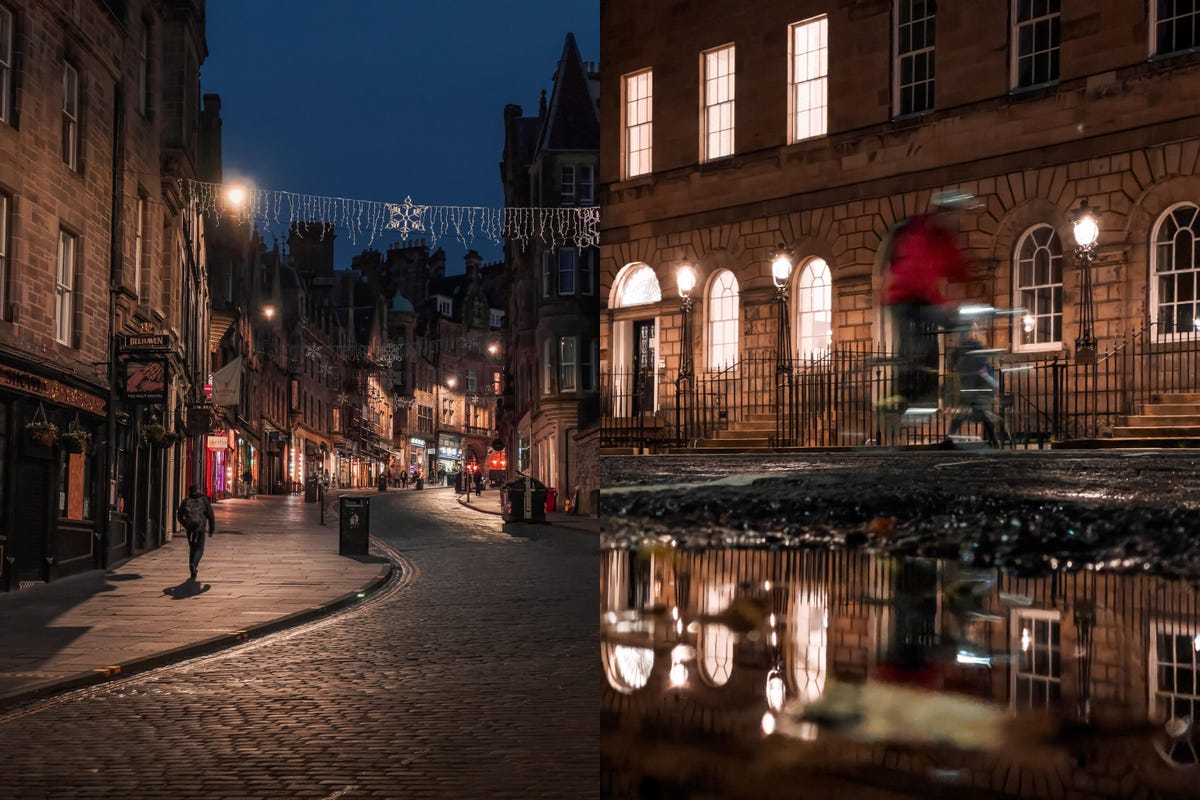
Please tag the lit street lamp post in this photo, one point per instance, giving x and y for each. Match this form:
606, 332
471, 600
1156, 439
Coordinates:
781, 272
685, 279
1086, 228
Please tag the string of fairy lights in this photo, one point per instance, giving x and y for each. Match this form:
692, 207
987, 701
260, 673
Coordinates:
567, 226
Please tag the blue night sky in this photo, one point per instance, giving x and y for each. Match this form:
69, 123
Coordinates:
379, 99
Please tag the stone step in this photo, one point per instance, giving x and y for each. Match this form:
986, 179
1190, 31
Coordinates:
734, 444
1175, 397
1170, 409
738, 433
1157, 432
1161, 420
1145, 443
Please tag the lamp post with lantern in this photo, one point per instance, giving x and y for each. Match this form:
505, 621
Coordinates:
685, 279
1085, 222
782, 264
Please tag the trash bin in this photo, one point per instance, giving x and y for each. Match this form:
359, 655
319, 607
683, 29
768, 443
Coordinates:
381, 484
354, 532
551, 499
310, 489
420, 483
513, 497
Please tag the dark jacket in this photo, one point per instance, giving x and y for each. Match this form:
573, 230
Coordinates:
208, 512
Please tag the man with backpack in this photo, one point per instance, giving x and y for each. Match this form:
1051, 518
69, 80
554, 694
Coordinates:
194, 512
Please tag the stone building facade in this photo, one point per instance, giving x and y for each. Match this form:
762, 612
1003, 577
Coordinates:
99, 119
552, 355
820, 126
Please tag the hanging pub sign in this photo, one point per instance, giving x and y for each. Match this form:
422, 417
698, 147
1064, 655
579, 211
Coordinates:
145, 343
146, 380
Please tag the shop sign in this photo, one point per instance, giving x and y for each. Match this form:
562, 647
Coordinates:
146, 380
449, 452
415, 442
145, 343
22, 381
217, 441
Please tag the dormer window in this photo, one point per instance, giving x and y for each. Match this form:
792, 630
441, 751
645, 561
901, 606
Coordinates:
497, 318
444, 307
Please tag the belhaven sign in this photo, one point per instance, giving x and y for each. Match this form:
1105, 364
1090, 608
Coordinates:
142, 342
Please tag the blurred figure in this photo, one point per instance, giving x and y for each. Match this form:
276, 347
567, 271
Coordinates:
977, 387
923, 257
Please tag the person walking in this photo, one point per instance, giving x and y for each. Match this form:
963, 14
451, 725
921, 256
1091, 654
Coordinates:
194, 512
977, 386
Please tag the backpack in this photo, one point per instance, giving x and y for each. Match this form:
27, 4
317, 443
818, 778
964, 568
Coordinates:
194, 514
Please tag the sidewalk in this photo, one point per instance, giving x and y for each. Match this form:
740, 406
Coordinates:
489, 503
269, 566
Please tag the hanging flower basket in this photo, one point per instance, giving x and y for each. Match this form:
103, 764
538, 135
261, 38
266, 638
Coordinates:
75, 439
42, 432
154, 434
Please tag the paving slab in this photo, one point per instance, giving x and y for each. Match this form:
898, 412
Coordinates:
280, 568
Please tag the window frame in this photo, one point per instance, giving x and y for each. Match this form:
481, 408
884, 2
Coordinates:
633, 162
589, 356
707, 131
568, 367
822, 80
1020, 346
445, 306
567, 269
64, 292
1015, 55
1035, 615
586, 259
1155, 299
548, 366
1152, 34
6, 210
70, 116
725, 324
804, 309
7, 75
566, 184
1172, 627
545, 273
139, 249
897, 63
585, 177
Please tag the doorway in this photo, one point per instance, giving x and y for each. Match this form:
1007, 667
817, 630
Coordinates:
644, 366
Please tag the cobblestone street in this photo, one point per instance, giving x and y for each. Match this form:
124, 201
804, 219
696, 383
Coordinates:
472, 675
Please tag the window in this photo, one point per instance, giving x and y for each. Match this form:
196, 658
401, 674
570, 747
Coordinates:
1174, 690
139, 248
722, 321
1036, 40
1175, 264
5, 207
1038, 670
1038, 289
472, 382
64, 288
587, 184
444, 306
639, 123
718, 103
70, 123
587, 261
425, 419
567, 258
808, 95
496, 383
814, 309
1175, 26
566, 185
567, 363
914, 55
547, 366
497, 318
546, 274
716, 641
587, 364
143, 98
6, 64
639, 286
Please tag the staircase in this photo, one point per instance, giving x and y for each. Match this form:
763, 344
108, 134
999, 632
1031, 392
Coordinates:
1168, 420
753, 433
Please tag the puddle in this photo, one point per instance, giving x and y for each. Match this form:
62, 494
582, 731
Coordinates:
750, 672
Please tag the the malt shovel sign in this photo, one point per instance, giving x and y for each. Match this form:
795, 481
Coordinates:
145, 366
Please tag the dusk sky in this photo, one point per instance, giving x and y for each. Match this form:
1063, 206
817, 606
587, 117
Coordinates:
379, 99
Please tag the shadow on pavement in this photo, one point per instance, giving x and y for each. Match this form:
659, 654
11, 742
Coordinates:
188, 588
130, 577
522, 530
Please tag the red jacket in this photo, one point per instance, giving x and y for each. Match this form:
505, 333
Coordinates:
924, 256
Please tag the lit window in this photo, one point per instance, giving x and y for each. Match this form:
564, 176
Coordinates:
64, 288
1174, 691
567, 258
587, 185
639, 123
567, 363
6, 62
716, 641
639, 287
814, 309
718, 103
1176, 26
723, 321
70, 113
1175, 266
566, 191
809, 94
1037, 675
914, 55
808, 620
1038, 290
1036, 39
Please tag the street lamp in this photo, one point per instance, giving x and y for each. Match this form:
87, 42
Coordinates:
782, 264
1086, 228
268, 311
235, 196
685, 279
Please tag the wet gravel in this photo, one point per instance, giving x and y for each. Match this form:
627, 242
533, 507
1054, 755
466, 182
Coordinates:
1029, 513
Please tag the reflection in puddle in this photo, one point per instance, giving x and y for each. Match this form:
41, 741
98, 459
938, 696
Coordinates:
750, 673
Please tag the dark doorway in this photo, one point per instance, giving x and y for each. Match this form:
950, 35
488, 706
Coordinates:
31, 506
643, 366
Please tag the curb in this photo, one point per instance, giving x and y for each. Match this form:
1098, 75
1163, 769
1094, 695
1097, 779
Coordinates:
81, 680
479, 509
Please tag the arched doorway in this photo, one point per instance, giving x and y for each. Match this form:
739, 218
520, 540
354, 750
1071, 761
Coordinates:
635, 343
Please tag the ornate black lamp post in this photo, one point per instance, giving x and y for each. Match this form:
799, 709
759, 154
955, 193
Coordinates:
685, 279
782, 264
1086, 226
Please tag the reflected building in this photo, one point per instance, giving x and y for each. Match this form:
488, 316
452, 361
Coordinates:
1098, 673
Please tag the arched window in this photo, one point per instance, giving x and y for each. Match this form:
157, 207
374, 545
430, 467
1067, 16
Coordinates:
1037, 276
722, 321
716, 641
627, 667
814, 309
808, 644
638, 287
1175, 261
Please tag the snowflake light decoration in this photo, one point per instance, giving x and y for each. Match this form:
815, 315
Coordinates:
406, 217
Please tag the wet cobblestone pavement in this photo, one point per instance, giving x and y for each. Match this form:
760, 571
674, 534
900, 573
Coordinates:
473, 675
1031, 512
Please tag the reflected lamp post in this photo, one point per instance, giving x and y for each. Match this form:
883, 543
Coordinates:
782, 264
1085, 222
685, 279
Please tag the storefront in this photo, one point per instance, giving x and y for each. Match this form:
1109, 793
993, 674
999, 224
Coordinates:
220, 451
415, 461
449, 455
